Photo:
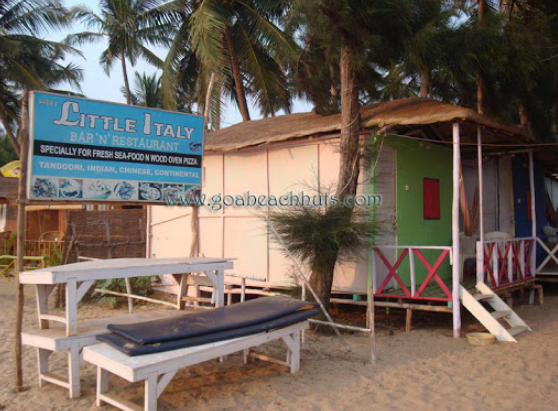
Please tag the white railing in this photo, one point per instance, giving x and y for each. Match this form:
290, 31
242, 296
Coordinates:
551, 255
506, 262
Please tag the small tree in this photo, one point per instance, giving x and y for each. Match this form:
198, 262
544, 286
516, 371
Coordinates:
321, 237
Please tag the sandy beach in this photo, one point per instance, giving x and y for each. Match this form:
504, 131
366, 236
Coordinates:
423, 370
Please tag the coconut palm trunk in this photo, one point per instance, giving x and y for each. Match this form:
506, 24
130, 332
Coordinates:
321, 278
237, 75
125, 75
194, 218
350, 124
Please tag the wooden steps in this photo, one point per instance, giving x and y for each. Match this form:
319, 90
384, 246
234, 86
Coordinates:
518, 329
481, 297
491, 319
500, 314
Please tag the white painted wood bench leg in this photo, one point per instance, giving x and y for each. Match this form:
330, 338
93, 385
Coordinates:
150, 399
74, 361
42, 357
293, 344
197, 295
71, 307
182, 291
102, 385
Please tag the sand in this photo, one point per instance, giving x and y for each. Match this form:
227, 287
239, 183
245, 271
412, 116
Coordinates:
423, 370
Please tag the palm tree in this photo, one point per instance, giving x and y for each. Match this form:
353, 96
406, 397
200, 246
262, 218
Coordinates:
321, 237
238, 40
147, 90
26, 61
369, 34
129, 27
425, 44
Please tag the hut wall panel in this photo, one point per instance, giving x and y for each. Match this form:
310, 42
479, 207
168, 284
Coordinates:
212, 183
385, 184
238, 233
328, 164
287, 175
245, 240
415, 162
498, 192
244, 172
211, 237
522, 203
285, 171
170, 239
162, 214
505, 200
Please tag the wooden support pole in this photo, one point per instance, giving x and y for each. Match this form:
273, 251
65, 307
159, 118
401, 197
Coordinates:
370, 320
533, 212
480, 250
194, 217
408, 320
22, 197
455, 234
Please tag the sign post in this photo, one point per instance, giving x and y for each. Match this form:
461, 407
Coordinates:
79, 150
90, 151
20, 244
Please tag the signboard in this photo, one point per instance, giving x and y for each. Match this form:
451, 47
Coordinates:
90, 150
11, 169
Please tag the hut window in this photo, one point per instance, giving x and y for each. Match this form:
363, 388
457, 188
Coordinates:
431, 190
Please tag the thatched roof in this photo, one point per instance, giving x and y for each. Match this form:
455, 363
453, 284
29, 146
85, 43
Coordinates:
432, 117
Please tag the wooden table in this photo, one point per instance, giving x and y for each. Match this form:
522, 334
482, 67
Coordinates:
79, 277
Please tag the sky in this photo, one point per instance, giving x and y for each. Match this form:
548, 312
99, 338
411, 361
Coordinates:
97, 85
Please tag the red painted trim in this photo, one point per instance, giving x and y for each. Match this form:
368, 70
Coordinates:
432, 272
516, 268
393, 271
512, 284
413, 298
503, 259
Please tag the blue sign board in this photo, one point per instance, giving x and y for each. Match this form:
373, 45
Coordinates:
96, 151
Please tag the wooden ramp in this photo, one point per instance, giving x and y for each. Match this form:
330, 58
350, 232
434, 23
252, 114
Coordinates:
492, 319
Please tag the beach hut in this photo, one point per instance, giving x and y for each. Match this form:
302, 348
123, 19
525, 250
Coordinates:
419, 146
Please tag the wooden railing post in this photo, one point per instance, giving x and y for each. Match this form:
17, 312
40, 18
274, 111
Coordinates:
509, 250
533, 213
374, 274
522, 257
496, 264
480, 262
413, 274
456, 269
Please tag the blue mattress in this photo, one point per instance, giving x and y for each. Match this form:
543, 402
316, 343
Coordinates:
132, 348
191, 329
210, 321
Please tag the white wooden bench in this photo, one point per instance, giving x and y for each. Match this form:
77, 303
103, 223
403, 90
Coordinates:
158, 369
55, 339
